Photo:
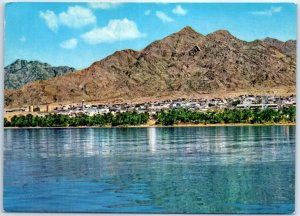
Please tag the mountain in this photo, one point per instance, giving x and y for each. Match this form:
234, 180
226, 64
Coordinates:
22, 72
184, 64
289, 47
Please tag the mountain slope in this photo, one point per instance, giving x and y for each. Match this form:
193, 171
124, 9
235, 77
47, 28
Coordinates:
288, 47
185, 63
22, 72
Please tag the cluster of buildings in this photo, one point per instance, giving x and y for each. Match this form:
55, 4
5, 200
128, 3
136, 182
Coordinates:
241, 102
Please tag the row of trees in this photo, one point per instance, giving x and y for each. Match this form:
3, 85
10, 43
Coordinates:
226, 116
58, 120
169, 117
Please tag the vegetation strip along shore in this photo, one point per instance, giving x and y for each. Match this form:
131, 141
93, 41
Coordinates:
165, 118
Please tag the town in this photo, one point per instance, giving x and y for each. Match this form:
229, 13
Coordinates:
241, 102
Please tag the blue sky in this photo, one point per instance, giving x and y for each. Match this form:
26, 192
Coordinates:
78, 34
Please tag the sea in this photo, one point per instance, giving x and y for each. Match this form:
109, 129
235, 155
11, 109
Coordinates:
223, 169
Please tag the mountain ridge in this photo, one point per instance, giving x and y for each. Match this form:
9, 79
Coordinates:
21, 72
288, 47
183, 63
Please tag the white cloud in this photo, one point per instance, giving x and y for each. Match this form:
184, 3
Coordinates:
163, 17
179, 10
276, 9
69, 44
50, 19
104, 5
269, 12
147, 12
23, 39
116, 30
77, 17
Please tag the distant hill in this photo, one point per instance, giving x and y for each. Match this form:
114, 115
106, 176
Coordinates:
22, 72
184, 64
289, 47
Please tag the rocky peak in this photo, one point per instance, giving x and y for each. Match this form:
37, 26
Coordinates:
22, 71
221, 35
187, 33
273, 41
187, 30
19, 63
174, 44
288, 47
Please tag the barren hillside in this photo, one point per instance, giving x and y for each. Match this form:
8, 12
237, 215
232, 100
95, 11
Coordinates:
185, 63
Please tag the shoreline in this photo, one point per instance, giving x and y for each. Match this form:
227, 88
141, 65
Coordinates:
161, 126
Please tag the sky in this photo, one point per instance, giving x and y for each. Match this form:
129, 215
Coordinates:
78, 34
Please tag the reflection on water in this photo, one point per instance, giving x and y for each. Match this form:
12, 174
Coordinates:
152, 139
181, 170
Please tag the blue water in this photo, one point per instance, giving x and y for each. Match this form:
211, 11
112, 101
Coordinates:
166, 170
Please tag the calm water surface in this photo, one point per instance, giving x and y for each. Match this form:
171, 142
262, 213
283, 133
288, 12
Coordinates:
166, 170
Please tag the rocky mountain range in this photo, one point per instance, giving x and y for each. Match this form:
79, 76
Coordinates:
289, 47
184, 64
22, 72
